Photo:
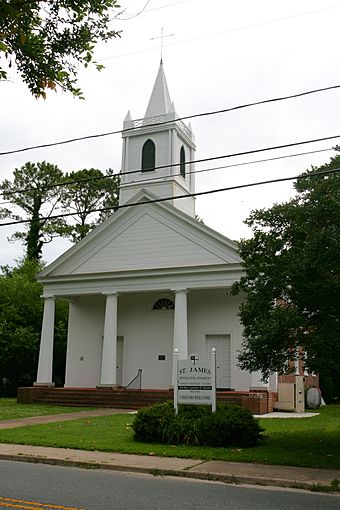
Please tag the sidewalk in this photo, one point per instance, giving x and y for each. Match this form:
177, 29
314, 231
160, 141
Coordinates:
228, 472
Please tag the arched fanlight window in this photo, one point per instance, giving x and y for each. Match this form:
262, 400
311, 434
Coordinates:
148, 156
182, 162
163, 304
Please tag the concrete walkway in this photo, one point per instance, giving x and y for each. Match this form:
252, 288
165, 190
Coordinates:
228, 472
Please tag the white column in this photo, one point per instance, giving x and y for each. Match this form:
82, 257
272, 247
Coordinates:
181, 323
44, 375
108, 376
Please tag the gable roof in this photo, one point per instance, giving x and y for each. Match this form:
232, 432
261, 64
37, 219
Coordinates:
148, 236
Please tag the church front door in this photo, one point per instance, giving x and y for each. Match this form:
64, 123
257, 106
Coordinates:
223, 358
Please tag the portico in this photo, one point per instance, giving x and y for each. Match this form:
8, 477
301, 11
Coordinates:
150, 324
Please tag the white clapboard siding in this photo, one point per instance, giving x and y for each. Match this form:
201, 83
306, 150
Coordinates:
150, 237
148, 243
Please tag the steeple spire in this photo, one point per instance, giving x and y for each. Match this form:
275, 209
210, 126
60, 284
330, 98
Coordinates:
160, 102
163, 154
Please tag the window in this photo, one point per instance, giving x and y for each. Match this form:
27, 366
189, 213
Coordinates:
182, 162
163, 304
148, 156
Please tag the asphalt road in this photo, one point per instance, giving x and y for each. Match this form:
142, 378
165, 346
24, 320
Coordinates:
43, 487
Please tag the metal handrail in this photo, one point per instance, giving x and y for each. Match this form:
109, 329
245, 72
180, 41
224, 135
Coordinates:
136, 383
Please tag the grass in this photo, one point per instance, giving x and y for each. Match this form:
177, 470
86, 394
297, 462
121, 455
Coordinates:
10, 410
309, 442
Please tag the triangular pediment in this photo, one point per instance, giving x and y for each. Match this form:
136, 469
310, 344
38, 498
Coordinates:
150, 236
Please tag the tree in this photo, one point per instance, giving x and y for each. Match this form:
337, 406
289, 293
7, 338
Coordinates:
33, 191
291, 284
92, 190
47, 39
42, 191
20, 327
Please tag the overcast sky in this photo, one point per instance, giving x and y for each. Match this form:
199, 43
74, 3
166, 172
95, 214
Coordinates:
222, 53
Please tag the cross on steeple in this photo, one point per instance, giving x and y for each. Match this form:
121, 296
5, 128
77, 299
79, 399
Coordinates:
161, 37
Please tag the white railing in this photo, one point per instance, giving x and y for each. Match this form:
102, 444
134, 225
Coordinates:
159, 119
136, 383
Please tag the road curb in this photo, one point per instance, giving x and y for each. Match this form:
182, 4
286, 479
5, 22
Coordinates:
218, 477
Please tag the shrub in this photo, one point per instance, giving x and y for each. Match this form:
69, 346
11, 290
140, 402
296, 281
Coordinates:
150, 422
230, 425
197, 425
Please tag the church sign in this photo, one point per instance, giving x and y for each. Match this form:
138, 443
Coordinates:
195, 382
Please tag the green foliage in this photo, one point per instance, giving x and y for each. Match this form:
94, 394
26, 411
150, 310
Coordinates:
92, 190
230, 425
48, 192
330, 386
197, 425
20, 319
292, 279
47, 40
150, 422
40, 200
187, 427
20, 327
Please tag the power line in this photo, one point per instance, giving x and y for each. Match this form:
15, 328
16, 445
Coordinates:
244, 163
196, 115
187, 195
224, 32
204, 160
91, 179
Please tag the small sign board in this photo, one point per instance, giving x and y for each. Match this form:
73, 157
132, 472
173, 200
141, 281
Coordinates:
194, 382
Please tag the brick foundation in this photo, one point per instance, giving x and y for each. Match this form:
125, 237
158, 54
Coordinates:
257, 402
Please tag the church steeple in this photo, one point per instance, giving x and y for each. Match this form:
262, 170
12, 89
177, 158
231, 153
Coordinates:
149, 148
160, 102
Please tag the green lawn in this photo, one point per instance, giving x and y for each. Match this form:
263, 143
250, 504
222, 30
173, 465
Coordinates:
9, 409
309, 442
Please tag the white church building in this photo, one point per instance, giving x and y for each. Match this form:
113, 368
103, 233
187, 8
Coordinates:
151, 278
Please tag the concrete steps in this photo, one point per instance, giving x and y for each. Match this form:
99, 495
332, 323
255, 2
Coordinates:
124, 399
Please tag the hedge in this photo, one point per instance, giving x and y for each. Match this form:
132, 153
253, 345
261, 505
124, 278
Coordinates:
230, 425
